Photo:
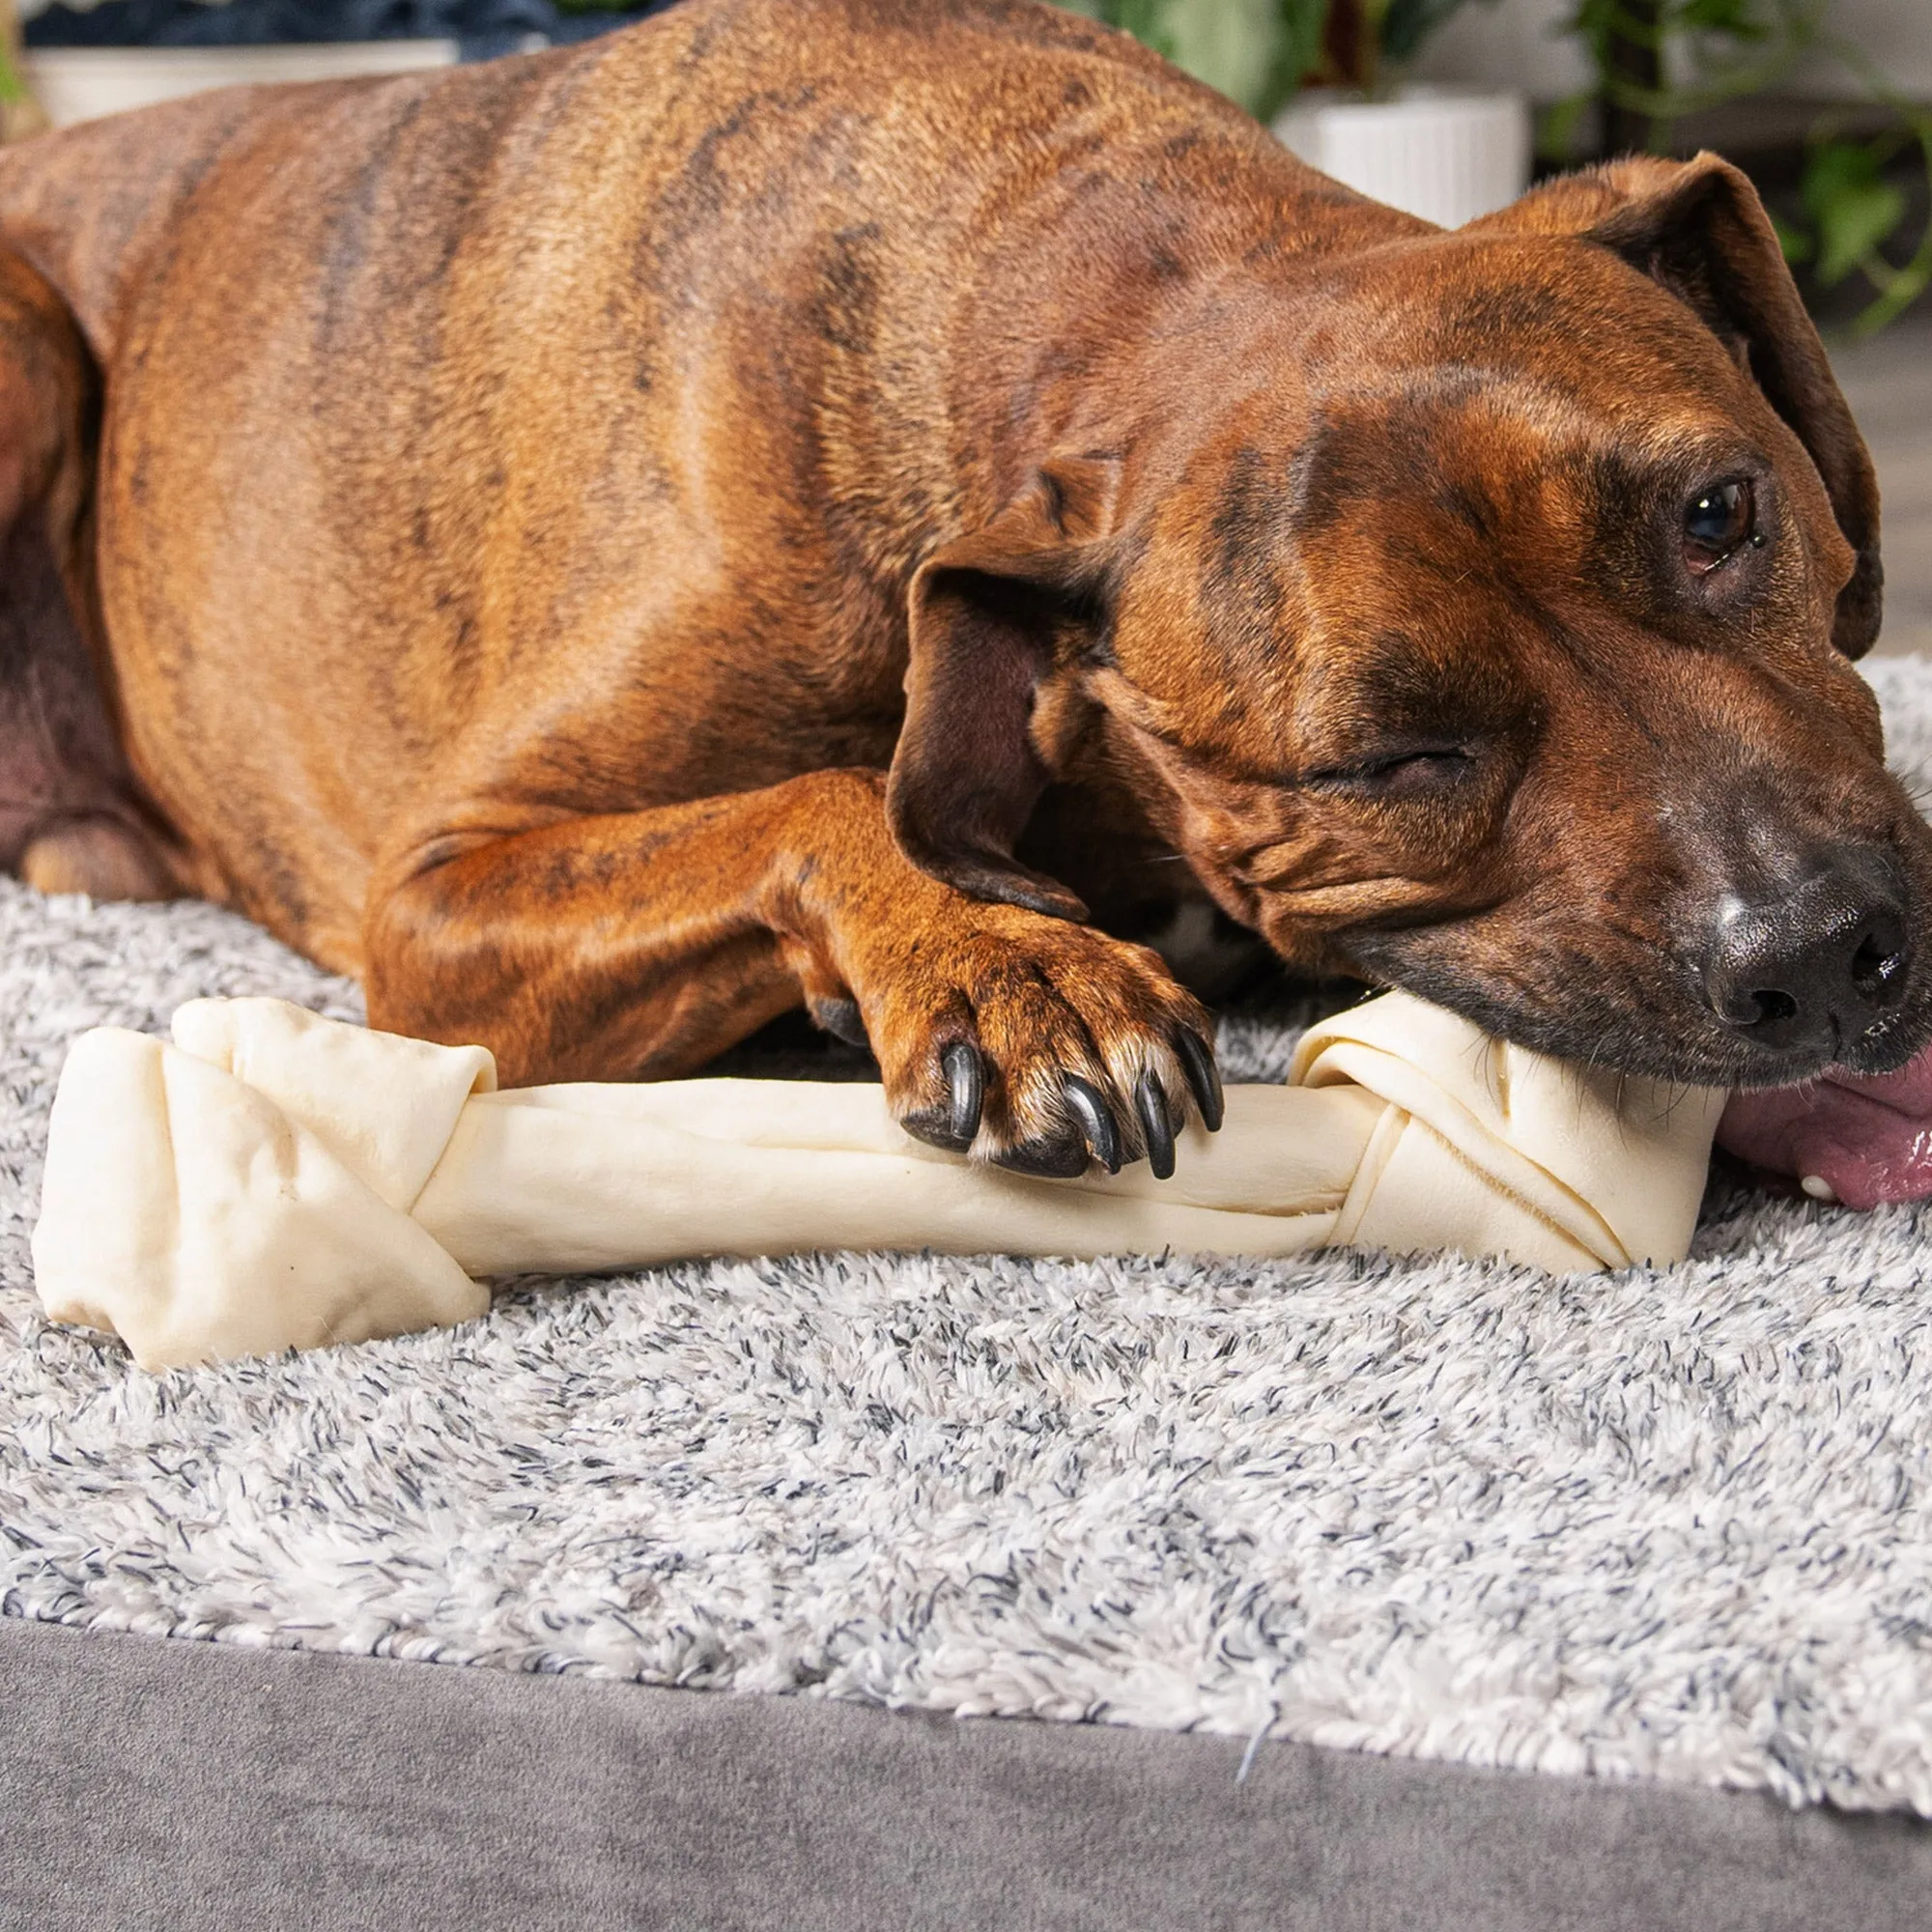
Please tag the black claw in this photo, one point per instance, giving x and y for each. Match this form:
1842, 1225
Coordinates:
841, 1019
966, 1076
1152, 1104
1058, 1160
1196, 1061
1096, 1121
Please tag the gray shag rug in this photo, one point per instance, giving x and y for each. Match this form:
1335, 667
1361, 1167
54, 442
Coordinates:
1674, 1523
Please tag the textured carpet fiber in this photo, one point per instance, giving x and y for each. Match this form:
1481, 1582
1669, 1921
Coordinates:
1674, 1523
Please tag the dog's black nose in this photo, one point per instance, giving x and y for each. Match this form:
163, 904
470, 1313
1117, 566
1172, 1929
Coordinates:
1813, 968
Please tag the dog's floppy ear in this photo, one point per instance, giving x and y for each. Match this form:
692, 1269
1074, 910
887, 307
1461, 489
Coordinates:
1698, 228
1705, 235
989, 614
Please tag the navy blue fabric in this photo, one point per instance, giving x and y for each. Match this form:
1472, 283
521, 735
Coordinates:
483, 28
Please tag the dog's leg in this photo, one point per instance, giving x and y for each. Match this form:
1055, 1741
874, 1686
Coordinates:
643, 945
69, 818
68, 822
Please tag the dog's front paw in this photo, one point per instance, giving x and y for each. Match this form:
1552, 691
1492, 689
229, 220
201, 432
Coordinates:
1037, 1044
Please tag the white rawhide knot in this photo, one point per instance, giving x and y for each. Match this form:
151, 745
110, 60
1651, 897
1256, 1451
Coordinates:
274, 1180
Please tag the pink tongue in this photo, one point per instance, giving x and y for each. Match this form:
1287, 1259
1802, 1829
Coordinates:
1871, 1138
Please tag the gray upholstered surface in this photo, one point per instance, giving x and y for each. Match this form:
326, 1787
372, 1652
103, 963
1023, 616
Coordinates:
153, 1782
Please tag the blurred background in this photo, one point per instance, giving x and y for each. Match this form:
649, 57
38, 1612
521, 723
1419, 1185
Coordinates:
1447, 107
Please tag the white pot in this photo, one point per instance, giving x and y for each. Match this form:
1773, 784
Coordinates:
83, 83
1445, 155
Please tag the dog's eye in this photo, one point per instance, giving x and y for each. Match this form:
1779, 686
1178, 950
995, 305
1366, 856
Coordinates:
1409, 775
1717, 521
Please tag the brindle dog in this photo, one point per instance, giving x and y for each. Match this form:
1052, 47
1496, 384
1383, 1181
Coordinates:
865, 503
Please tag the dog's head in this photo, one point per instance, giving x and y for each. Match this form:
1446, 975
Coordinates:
1489, 636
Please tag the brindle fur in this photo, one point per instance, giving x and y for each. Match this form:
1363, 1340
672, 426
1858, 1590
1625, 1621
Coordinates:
609, 545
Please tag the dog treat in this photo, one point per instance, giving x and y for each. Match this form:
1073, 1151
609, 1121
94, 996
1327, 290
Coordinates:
274, 1180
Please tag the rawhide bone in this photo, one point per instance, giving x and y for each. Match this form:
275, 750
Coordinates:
272, 1179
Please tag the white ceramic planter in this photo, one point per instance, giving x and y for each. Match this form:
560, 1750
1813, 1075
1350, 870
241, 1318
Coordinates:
82, 83
1437, 153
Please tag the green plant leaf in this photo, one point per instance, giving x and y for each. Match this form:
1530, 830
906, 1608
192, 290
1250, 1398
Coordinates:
1854, 224
1147, 22
1558, 126
1302, 23
1830, 167
1231, 44
1796, 245
1255, 52
1854, 207
1408, 23
1734, 17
